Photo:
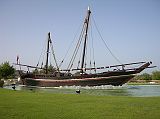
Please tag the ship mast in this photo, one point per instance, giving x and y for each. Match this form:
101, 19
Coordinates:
49, 40
85, 40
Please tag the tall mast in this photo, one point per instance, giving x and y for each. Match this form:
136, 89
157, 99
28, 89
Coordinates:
49, 40
85, 40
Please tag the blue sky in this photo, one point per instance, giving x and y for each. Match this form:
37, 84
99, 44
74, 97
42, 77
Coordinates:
131, 28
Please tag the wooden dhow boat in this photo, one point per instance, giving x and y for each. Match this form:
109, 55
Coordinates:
80, 77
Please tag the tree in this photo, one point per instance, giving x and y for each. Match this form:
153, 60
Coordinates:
156, 75
51, 70
35, 71
6, 71
144, 76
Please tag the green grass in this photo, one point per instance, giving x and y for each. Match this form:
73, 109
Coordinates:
35, 105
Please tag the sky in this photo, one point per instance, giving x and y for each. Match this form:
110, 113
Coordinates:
131, 29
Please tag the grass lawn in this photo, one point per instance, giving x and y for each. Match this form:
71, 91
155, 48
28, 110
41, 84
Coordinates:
35, 105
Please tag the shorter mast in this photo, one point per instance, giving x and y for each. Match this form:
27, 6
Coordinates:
49, 43
85, 40
49, 40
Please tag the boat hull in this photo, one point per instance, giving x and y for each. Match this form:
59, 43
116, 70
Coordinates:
112, 80
115, 78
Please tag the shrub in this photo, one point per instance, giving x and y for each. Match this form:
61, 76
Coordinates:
6, 71
144, 76
156, 75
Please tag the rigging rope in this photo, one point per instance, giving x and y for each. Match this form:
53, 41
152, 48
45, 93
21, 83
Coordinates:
106, 44
79, 60
92, 41
76, 49
42, 53
53, 53
69, 46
